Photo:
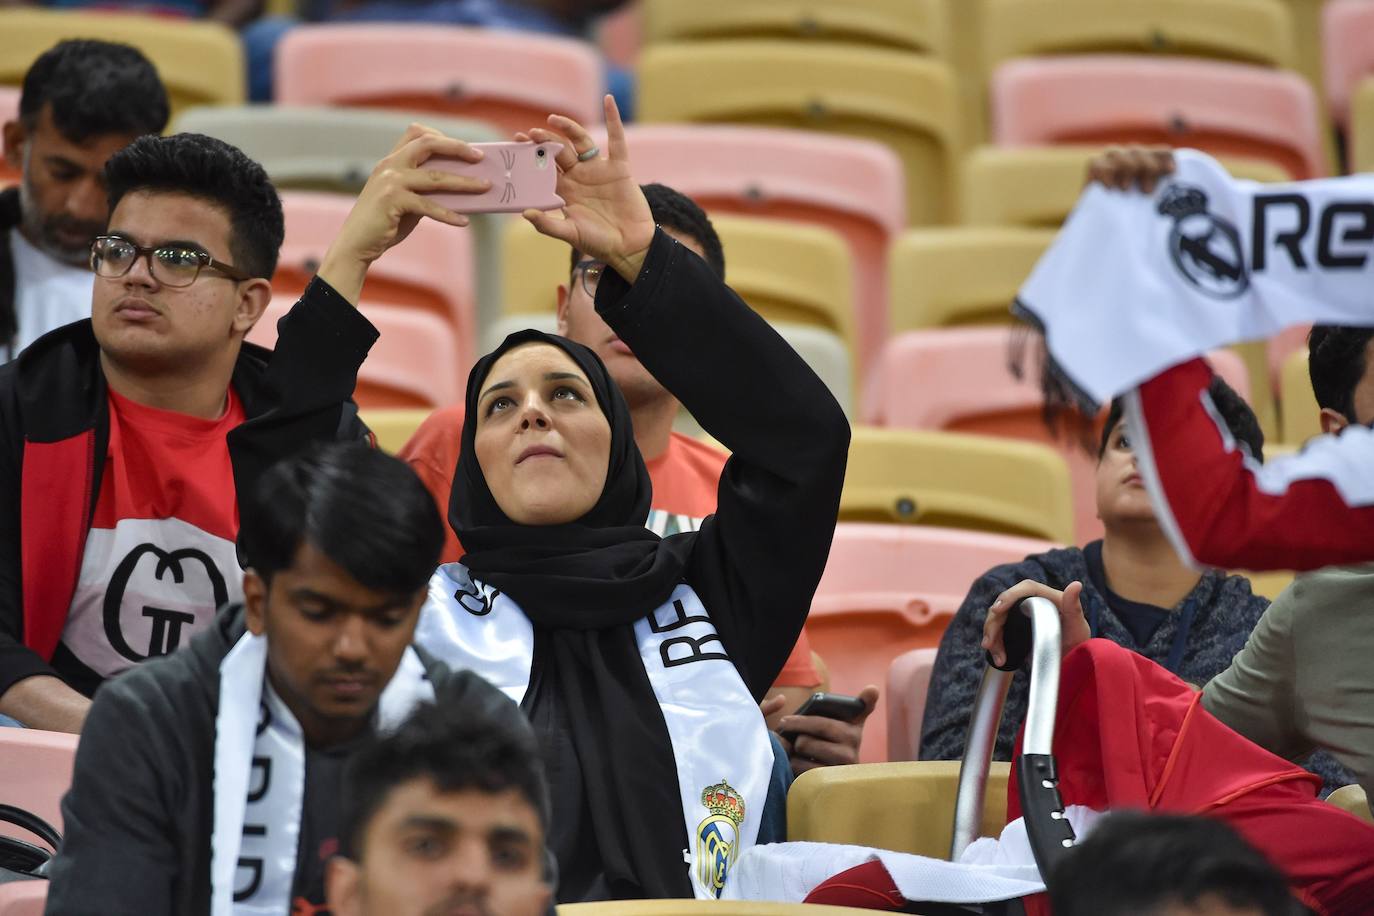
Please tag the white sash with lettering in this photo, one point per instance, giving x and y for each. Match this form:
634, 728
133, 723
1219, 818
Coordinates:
1136, 283
259, 779
719, 741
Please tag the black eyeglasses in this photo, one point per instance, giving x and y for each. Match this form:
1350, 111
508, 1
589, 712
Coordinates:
171, 265
591, 275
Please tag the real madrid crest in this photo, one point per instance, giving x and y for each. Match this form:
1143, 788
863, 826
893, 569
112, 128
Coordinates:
718, 835
1204, 247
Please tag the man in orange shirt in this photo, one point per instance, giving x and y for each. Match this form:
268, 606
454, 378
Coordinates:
685, 472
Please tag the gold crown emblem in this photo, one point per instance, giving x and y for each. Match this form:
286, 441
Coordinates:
724, 801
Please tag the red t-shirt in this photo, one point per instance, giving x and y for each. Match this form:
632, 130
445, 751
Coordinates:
159, 556
685, 478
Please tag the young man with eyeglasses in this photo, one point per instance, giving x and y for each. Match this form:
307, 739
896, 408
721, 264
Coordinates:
125, 439
82, 100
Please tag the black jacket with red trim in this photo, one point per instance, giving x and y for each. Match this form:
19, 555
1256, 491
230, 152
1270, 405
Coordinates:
9, 218
54, 435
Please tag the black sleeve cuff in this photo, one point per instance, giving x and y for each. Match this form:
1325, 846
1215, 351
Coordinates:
18, 662
619, 302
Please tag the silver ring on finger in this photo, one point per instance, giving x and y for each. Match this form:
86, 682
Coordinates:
589, 154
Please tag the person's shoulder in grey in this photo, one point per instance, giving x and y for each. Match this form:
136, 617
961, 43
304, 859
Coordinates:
1303, 677
137, 815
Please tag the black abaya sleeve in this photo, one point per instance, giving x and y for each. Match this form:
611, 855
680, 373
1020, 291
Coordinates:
757, 561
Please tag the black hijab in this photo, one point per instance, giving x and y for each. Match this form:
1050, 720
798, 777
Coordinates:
584, 585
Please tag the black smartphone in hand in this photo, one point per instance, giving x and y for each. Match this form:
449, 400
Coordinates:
831, 706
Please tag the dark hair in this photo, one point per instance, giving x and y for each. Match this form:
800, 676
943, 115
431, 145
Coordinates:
1235, 413
479, 740
678, 212
1133, 863
363, 509
215, 172
95, 88
1336, 363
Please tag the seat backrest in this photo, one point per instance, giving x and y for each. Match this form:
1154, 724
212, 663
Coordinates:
1346, 53
851, 186
416, 362
1353, 800
960, 276
904, 100
1037, 186
922, 26
9, 111
906, 807
958, 379
788, 272
23, 898
432, 270
200, 63
1221, 108
1360, 140
321, 148
35, 772
957, 480
507, 78
1300, 418
393, 426
1251, 31
908, 682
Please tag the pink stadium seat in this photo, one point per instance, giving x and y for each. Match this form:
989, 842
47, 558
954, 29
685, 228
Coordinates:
415, 363
620, 35
510, 79
888, 589
852, 186
908, 682
1225, 109
433, 269
23, 898
35, 772
957, 379
9, 111
1347, 52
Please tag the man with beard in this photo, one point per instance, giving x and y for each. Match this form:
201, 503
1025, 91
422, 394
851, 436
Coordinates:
82, 101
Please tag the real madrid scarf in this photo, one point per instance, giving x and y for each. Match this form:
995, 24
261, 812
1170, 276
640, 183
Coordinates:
692, 741
1135, 283
259, 779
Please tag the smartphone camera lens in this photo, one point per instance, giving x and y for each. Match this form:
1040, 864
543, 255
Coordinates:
540, 152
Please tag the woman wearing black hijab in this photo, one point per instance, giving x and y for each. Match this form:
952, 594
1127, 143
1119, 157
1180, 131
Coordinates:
639, 660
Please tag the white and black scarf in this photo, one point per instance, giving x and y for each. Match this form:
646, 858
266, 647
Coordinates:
1136, 283
259, 779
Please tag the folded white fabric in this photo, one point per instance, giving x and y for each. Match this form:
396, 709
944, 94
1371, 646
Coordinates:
989, 870
1135, 283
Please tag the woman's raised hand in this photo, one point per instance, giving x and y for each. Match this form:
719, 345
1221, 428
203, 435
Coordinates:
393, 201
605, 215
1073, 624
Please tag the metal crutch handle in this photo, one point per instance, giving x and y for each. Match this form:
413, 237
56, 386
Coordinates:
1034, 632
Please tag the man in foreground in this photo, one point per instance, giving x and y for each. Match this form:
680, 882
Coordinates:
211, 778
448, 812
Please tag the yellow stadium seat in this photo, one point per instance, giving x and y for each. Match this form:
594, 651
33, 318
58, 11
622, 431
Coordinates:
1252, 31
393, 426
906, 807
905, 100
201, 63
790, 273
912, 25
1300, 417
1038, 186
703, 908
962, 275
957, 480
1352, 799
1360, 143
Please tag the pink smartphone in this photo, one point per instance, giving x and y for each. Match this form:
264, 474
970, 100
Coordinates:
522, 175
